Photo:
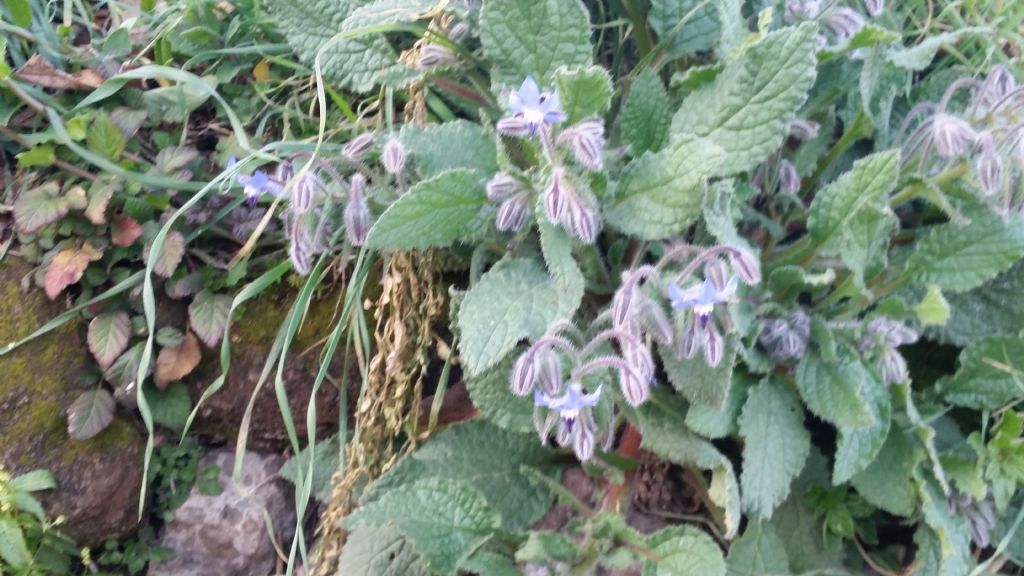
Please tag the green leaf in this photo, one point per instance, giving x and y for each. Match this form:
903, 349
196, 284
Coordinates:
170, 407
490, 564
21, 12
989, 310
888, 481
747, 109
856, 448
933, 309
108, 336
777, 445
90, 413
698, 34
556, 245
326, 460
721, 211
445, 519
684, 551
123, 372
583, 91
917, 58
358, 63
486, 458
40, 155
105, 138
515, 299
208, 316
952, 529
665, 434
13, 550
835, 390
864, 242
838, 205
458, 144
491, 394
541, 546
39, 206
698, 382
380, 12
758, 552
958, 258
434, 212
34, 481
659, 194
380, 551
646, 116
989, 374
534, 37
716, 424
175, 103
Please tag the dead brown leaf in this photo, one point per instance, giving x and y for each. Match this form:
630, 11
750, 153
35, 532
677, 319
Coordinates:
39, 72
176, 363
67, 268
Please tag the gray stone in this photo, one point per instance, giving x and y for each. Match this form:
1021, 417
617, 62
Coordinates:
226, 535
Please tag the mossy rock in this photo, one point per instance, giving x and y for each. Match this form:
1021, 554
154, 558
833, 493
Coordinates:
98, 480
252, 336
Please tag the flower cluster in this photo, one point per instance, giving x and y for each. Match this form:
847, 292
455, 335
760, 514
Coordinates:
880, 340
842, 22
566, 202
786, 339
986, 135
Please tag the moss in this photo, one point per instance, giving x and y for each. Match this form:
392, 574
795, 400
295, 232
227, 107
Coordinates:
262, 318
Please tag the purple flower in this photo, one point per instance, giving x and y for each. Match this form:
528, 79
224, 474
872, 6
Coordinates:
702, 297
256, 184
569, 404
535, 107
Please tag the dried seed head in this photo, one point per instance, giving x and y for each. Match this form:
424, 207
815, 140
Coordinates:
952, 136
393, 156
556, 196
523, 375
804, 129
502, 187
789, 180
746, 266
358, 147
714, 346
512, 213
514, 126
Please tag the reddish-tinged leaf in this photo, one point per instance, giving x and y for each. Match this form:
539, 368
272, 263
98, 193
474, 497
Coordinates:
90, 413
41, 73
100, 193
208, 315
170, 255
38, 207
67, 268
124, 230
176, 363
108, 336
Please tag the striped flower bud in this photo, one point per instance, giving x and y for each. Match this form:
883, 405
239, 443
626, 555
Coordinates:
300, 247
393, 156
952, 136
583, 440
357, 213
502, 187
434, 56
714, 346
874, 7
718, 272
844, 22
358, 147
512, 213
691, 338
555, 198
585, 140
622, 303
635, 389
746, 267
893, 366
789, 180
804, 129
458, 32
988, 166
304, 191
524, 374
639, 357
563, 434
583, 220
548, 367
515, 126
997, 85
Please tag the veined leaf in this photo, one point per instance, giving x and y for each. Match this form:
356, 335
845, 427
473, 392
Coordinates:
39, 206
208, 315
838, 205
835, 390
458, 144
105, 138
100, 192
13, 549
990, 374
684, 551
699, 383
170, 254
491, 394
108, 336
646, 115
759, 552
887, 482
696, 35
90, 413
67, 268
380, 551
858, 447
584, 91
176, 363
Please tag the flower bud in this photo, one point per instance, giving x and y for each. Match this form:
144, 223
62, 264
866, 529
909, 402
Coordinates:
746, 267
358, 147
300, 248
555, 196
714, 346
893, 366
583, 441
988, 167
512, 213
804, 129
717, 271
563, 434
514, 126
634, 388
523, 375
622, 304
502, 187
393, 156
844, 22
304, 191
639, 357
997, 85
691, 338
875, 7
544, 427
357, 213
789, 180
952, 136
284, 172
585, 140
434, 56
548, 368
458, 32
584, 223
800, 10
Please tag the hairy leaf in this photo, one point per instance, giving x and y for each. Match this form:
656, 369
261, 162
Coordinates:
759, 552
747, 109
584, 91
13, 549
445, 519
659, 194
697, 34
887, 482
108, 336
534, 37
698, 382
989, 374
379, 12
458, 144
491, 394
101, 191
838, 205
835, 390
777, 445
380, 551
646, 115
435, 212
684, 551
104, 137
716, 424
989, 310
857, 446
90, 413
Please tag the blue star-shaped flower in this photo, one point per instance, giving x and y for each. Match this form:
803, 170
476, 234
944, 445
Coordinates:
534, 106
569, 404
256, 184
701, 297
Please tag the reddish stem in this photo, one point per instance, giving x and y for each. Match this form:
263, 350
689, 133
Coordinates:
629, 447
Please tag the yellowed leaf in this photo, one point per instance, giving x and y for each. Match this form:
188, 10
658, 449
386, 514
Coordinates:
67, 268
261, 72
176, 363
